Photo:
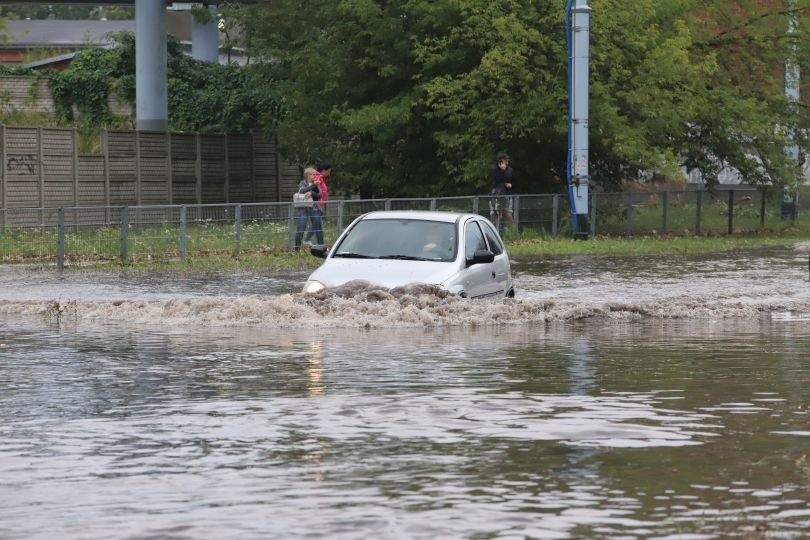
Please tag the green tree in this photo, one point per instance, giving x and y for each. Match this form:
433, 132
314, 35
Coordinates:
747, 118
415, 97
202, 96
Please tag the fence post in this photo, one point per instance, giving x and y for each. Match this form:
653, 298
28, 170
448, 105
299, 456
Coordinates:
665, 206
183, 221
762, 207
555, 214
340, 211
698, 208
252, 167
3, 189
41, 179
169, 172
629, 215
476, 204
198, 170
387, 205
124, 234
730, 211
277, 168
138, 186
75, 142
291, 227
433, 204
237, 216
105, 143
227, 164
60, 242
516, 213
593, 215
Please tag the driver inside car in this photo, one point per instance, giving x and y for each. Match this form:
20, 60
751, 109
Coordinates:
437, 245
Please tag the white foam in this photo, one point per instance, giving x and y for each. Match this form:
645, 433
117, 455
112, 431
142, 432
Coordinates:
370, 307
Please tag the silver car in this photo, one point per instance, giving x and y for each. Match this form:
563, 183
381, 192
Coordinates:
461, 253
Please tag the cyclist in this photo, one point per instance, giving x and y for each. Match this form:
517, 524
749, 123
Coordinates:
500, 176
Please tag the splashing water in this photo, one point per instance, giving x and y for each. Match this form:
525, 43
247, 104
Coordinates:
754, 284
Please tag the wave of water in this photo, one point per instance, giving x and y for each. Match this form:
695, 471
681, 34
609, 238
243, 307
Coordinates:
365, 306
747, 285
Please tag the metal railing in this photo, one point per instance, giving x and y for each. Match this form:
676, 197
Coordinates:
127, 234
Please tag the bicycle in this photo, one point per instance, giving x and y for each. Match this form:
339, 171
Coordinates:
500, 212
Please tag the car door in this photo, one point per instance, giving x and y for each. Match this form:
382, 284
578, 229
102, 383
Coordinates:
501, 267
480, 279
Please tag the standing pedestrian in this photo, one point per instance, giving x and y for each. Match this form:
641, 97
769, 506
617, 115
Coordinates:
320, 179
501, 185
312, 194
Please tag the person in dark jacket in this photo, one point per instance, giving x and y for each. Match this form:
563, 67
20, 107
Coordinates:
501, 186
308, 187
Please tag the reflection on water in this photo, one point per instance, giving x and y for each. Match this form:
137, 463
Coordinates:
315, 368
457, 420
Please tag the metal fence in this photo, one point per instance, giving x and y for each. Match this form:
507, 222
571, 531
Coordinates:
76, 235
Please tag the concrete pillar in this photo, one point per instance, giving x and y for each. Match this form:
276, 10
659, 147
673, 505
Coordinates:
205, 38
150, 66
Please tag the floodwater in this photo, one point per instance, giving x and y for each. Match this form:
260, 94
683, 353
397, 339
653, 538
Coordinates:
635, 397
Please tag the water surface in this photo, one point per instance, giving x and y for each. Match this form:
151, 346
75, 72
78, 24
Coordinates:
615, 398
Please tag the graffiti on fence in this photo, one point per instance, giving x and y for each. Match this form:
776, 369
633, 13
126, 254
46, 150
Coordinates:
23, 163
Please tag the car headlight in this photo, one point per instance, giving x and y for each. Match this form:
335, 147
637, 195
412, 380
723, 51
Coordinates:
311, 287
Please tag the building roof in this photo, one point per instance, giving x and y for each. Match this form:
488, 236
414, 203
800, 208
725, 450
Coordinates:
53, 34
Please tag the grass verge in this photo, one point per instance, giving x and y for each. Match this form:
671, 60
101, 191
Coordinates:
603, 245
264, 255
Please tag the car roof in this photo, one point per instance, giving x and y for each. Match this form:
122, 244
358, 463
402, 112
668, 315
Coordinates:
425, 215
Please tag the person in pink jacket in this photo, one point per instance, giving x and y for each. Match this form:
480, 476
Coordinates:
321, 178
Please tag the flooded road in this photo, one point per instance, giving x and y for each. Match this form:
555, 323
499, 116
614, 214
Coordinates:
616, 397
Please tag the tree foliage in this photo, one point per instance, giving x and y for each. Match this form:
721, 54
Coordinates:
415, 97
202, 96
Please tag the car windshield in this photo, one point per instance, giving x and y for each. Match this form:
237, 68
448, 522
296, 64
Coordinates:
406, 239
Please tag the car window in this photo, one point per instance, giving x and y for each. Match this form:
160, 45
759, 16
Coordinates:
473, 239
400, 239
493, 239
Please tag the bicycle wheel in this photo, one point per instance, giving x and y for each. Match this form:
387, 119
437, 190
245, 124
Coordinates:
495, 214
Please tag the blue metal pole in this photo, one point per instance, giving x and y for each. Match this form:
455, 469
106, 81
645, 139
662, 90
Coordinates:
578, 34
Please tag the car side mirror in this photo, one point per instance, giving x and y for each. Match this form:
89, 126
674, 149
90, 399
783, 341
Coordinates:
319, 250
481, 256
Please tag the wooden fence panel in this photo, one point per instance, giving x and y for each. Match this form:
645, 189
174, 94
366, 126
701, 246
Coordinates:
265, 165
240, 168
91, 181
184, 168
212, 168
153, 168
42, 167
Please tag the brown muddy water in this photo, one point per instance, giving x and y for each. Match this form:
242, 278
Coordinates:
654, 397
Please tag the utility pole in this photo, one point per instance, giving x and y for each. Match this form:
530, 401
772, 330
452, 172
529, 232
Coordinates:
577, 18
